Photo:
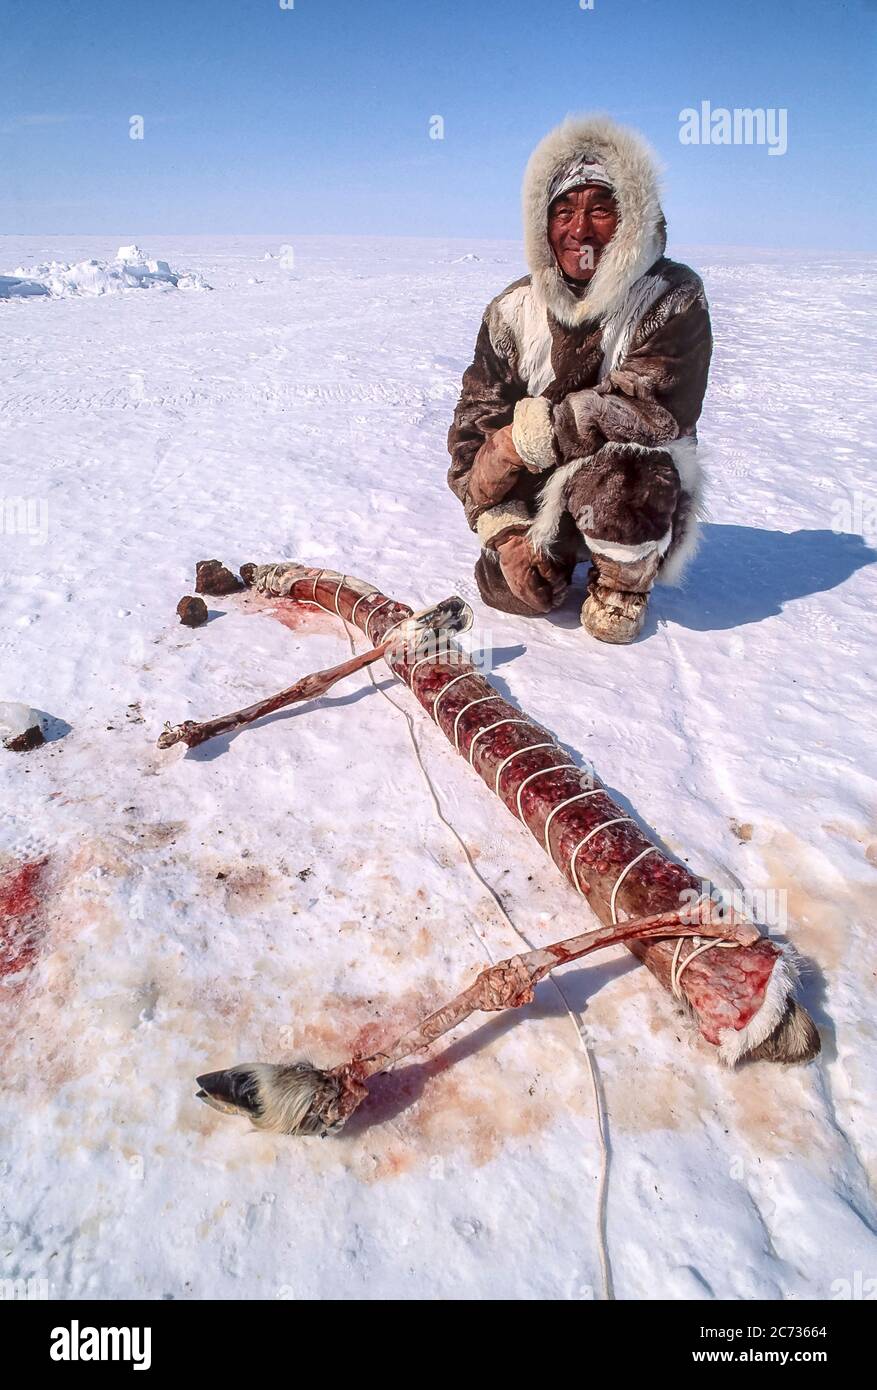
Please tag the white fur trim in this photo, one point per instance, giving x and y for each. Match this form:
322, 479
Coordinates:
685, 455
532, 434
639, 238
496, 519
628, 554
619, 328
672, 572
520, 320
734, 1043
552, 505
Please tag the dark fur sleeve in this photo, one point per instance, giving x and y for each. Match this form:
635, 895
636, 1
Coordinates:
487, 402
656, 394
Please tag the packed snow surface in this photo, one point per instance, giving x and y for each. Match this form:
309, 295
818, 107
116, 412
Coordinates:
291, 890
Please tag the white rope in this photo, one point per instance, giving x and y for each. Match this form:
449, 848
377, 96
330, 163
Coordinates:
698, 948
618, 820
274, 575
527, 780
603, 1181
371, 615
316, 602
421, 662
482, 699
553, 812
356, 605
392, 628
337, 611
538, 773
650, 849
337, 592
445, 688
531, 747
499, 723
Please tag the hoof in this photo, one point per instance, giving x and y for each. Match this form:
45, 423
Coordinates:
296, 1099
795, 1039
234, 1092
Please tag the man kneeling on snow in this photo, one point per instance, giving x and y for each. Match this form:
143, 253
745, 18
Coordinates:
574, 436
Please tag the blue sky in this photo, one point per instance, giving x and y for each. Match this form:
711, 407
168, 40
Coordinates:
315, 119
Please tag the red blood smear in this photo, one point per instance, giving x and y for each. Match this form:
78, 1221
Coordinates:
298, 617
371, 1037
20, 901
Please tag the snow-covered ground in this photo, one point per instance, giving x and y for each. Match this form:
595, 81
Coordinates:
286, 889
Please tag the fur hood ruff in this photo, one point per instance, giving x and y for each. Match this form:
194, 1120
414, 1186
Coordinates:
640, 238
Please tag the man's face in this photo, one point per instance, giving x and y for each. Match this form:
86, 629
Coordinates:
580, 224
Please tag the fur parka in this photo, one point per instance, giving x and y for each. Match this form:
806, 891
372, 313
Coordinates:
602, 386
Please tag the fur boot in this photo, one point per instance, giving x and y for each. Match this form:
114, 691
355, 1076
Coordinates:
618, 596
